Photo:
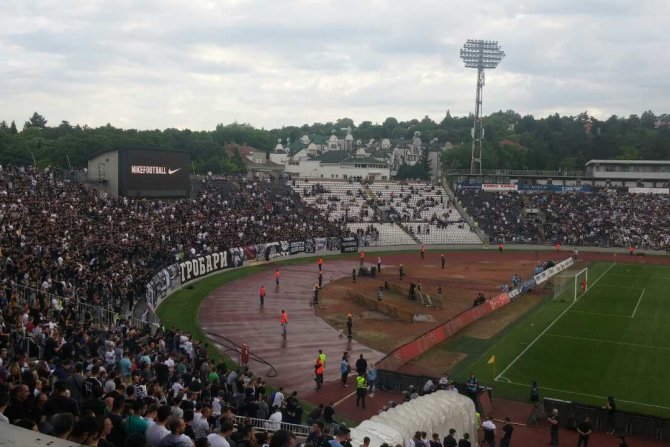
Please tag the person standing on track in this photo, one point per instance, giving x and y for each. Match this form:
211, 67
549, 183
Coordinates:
283, 320
322, 357
501, 246
361, 389
344, 369
350, 324
611, 415
353, 273
261, 294
554, 426
507, 433
319, 369
277, 276
372, 379
361, 257
379, 264
422, 250
320, 263
442, 260
584, 431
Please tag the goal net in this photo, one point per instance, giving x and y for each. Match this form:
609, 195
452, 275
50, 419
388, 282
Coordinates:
569, 285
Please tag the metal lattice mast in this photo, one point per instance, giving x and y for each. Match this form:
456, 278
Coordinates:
480, 54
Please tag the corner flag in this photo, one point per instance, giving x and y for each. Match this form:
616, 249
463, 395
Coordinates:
492, 360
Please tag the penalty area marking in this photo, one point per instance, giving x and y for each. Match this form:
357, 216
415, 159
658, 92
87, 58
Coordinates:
599, 314
639, 300
525, 385
622, 343
530, 345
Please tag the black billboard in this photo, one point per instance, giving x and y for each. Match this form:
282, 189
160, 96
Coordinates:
153, 173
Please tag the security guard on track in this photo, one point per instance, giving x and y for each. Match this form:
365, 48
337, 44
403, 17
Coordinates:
361, 388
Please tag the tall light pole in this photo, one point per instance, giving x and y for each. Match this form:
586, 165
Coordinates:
480, 54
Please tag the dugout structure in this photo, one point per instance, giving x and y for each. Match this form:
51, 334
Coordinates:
433, 413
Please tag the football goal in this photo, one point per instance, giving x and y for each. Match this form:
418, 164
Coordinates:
569, 284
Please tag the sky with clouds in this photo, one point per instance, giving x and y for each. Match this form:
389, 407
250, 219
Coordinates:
150, 64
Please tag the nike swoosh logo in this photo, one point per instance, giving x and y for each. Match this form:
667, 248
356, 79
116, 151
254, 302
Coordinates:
172, 171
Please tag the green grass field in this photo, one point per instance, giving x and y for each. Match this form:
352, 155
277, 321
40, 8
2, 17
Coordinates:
614, 340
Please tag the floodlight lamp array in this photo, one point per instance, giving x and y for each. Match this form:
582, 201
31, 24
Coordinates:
482, 53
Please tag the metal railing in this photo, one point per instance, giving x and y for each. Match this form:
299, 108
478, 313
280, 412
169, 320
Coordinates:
272, 426
100, 317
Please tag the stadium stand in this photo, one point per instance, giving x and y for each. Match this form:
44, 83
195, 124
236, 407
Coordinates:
380, 234
603, 218
397, 210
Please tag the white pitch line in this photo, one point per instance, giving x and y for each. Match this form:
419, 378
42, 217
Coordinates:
525, 385
623, 343
620, 287
653, 278
598, 314
530, 345
639, 300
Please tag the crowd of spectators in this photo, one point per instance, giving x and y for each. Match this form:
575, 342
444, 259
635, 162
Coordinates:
66, 373
68, 239
605, 219
125, 386
602, 218
500, 215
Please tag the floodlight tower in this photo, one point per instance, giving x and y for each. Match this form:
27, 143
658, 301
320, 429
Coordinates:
480, 54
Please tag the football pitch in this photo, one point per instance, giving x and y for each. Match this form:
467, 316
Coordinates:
613, 340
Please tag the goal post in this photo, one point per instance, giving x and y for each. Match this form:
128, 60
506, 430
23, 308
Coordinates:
581, 282
568, 284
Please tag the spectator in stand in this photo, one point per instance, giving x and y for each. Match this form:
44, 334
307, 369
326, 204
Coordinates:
598, 218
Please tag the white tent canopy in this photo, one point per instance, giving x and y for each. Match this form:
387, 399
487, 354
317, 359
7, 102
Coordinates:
433, 413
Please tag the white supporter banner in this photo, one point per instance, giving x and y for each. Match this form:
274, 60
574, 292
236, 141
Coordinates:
499, 186
649, 190
545, 275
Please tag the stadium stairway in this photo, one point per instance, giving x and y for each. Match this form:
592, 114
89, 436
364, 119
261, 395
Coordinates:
464, 214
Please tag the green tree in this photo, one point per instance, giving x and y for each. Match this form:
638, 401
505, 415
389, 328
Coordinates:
424, 165
12, 128
36, 120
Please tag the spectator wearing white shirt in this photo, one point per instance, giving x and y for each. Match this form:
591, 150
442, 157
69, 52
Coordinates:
200, 423
489, 432
220, 439
274, 421
156, 431
278, 400
177, 387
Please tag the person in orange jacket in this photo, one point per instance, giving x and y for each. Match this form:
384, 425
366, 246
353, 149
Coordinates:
320, 263
277, 276
283, 320
319, 369
261, 293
